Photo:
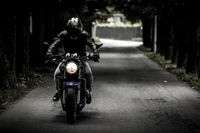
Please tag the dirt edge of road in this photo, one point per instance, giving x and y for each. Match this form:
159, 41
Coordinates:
20, 94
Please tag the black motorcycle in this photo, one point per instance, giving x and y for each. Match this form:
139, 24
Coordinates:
73, 91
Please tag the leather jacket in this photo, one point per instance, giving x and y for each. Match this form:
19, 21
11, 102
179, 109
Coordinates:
64, 43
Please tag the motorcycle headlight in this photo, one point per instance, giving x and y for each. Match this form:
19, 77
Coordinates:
71, 67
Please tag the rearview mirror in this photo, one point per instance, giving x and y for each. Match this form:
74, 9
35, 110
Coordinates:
99, 45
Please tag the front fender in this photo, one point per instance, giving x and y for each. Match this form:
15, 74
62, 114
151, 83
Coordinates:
72, 83
75, 85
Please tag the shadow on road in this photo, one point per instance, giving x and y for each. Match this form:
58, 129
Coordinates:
82, 117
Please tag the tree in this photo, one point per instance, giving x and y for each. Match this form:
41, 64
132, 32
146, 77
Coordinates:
7, 50
22, 41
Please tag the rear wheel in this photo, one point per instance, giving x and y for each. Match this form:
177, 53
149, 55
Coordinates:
71, 105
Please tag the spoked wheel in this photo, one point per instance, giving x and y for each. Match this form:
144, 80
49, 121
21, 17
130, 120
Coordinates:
71, 105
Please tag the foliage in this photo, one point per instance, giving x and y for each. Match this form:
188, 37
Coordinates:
87, 9
134, 10
25, 83
96, 39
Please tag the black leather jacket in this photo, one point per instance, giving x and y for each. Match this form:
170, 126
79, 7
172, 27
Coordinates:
64, 43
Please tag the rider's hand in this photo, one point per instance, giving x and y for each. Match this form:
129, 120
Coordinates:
49, 58
96, 56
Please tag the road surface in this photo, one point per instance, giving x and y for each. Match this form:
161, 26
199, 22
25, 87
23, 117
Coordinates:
131, 94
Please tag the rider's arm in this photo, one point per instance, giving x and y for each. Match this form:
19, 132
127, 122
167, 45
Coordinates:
90, 41
56, 46
91, 44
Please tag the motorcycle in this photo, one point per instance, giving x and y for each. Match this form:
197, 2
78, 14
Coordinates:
73, 91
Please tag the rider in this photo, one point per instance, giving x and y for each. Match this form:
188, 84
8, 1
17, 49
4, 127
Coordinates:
73, 40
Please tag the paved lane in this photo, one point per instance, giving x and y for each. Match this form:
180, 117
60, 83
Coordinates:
130, 96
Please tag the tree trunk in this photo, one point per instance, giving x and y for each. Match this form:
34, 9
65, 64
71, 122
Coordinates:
57, 23
8, 51
191, 65
198, 41
22, 46
168, 39
146, 32
182, 41
162, 29
175, 42
159, 33
155, 35
152, 34
36, 47
48, 29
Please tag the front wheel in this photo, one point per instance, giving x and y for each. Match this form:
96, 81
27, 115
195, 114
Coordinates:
71, 104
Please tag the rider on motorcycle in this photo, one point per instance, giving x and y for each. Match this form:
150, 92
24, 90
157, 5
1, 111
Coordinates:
73, 40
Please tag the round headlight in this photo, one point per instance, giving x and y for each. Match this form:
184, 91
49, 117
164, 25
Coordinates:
71, 67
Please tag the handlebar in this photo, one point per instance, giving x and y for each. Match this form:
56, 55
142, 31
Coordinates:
54, 58
85, 58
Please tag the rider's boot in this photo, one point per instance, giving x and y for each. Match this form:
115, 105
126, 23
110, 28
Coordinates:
89, 84
58, 83
88, 97
56, 96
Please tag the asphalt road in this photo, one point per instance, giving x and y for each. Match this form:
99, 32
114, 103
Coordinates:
131, 94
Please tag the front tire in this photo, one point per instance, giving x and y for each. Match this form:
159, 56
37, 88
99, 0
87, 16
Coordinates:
71, 105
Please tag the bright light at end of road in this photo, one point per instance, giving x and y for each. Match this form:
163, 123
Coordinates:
120, 43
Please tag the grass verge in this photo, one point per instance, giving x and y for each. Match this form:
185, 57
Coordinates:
191, 79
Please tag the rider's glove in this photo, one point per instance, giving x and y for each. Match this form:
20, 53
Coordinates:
49, 58
96, 56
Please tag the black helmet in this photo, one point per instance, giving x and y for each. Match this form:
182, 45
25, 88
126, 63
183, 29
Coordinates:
74, 26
